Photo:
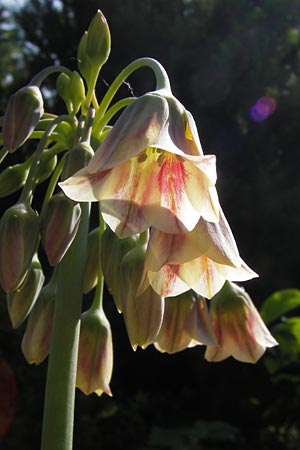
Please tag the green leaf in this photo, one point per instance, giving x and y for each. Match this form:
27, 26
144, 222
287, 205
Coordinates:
288, 335
279, 303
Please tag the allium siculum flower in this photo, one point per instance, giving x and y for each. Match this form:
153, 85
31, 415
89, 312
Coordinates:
186, 323
36, 339
240, 330
202, 260
150, 171
143, 314
95, 354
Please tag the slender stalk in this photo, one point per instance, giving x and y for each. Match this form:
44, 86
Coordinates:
43, 74
61, 378
97, 304
162, 81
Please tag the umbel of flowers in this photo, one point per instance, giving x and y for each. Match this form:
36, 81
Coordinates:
162, 245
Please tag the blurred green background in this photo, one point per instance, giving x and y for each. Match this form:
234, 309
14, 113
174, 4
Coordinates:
222, 57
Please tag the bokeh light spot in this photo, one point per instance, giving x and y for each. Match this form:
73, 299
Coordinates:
262, 109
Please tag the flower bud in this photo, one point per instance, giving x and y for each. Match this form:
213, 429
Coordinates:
59, 226
95, 354
240, 330
24, 110
76, 91
63, 89
186, 323
85, 65
143, 314
19, 234
98, 40
13, 178
113, 250
21, 301
47, 165
77, 158
36, 340
92, 261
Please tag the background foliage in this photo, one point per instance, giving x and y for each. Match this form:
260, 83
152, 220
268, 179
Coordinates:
221, 56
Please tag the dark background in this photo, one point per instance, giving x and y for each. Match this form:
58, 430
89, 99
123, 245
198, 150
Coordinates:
221, 57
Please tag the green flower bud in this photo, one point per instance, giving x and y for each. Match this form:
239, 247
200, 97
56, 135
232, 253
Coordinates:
95, 354
77, 158
13, 178
98, 40
19, 234
36, 340
63, 89
85, 65
21, 301
76, 91
92, 261
143, 313
59, 226
113, 250
94, 48
24, 110
47, 165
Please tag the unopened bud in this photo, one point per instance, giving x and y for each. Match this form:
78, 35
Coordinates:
36, 340
113, 249
62, 87
95, 354
76, 91
98, 40
24, 110
77, 158
92, 261
59, 226
47, 165
143, 314
13, 178
85, 65
21, 301
19, 234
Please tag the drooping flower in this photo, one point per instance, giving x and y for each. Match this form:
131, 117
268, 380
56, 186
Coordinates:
143, 314
95, 354
240, 330
150, 170
186, 323
202, 260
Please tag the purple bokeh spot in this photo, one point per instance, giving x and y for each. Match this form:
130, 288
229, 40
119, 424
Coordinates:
262, 109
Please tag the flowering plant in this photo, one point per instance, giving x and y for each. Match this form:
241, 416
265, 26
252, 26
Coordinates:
163, 245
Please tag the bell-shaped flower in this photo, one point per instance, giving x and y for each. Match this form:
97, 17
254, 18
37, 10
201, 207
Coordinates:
36, 339
186, 323
95, 353
240, 330
202, 260
150, 170
143, 314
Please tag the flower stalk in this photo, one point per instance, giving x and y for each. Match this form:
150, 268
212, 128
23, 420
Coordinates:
61, 377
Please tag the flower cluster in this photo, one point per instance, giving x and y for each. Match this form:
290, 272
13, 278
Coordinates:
153, 181
167, 255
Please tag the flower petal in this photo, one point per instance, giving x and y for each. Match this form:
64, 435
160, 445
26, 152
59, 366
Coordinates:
137, 128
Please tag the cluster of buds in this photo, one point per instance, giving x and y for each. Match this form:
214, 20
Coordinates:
168, 256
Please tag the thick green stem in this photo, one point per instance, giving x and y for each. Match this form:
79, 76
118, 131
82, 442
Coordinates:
61, 378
